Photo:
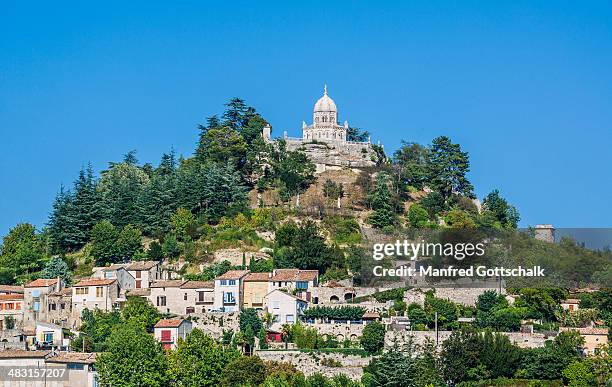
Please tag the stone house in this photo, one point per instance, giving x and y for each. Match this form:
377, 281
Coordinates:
594, 338
59, 308
284, 307
80, 365
229, 288
94, 293
144, 273
11, 311
167, 297
256, 286
169, 331
23, 358
35, 300
117, 271
198, 296
294, 279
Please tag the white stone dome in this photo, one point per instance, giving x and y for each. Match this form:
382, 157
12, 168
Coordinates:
325, 104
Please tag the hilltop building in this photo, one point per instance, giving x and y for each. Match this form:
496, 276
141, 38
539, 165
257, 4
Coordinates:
325, 141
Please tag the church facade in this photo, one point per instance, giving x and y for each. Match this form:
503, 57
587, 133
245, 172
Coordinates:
325, 141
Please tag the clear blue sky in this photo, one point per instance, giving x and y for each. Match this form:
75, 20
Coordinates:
524, 87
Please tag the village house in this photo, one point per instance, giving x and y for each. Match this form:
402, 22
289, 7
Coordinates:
94, 293
117, 271
198, 296
144, 273
179, 297
59, 308
294, 279
35, 300
50, 336
256, 286
80, 367
11, 311
594, 338
229, 289
169, 331
570, 304
284, 307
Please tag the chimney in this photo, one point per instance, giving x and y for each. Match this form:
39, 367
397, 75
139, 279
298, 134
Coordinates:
58, 285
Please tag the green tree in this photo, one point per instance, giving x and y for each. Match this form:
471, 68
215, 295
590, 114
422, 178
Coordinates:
418, 216
133, 358
373, 337
57, 267
383, 214
244, 371
140, 311
104, 237
434, 204
578, 374
460, 354
120, 189
448, 168
64, 233
499, 355
22, 253
223, 145
393, 368
248, 318
129, 242
199, 360
158, 200
170, 247
411, 162
504, 213
183, 223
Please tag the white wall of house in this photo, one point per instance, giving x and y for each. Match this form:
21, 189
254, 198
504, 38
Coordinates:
285, 308
228, 295
175, 333
101, 297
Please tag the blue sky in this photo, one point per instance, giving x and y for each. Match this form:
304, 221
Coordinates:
524, 87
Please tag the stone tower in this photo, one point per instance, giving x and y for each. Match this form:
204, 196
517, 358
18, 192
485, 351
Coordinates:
545, 232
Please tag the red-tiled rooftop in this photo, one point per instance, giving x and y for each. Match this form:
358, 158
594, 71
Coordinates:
585, 331
294, 275
41, 282
142, 265
11, 289
73, 357
233, 275
198, 285
167, 284
22, 354
169, 323
258, 277
94, 282
11, 297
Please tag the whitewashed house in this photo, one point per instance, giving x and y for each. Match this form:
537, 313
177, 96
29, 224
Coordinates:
229, 289
169, 331
284, 307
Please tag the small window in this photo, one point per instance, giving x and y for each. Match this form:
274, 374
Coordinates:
290, 318
223, 282
275, 304
161, 300
74, 366
185, 297
232, 282
99, 291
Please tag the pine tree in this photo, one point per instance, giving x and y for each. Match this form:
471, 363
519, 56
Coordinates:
85, 197
384, 214
63, 225
448, 167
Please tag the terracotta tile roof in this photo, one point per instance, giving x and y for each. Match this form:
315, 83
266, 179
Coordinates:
169, 323
142, 265
233, 275
167, 284
22, 354
571, 301
73, 357
586, 331
294, 275
258, 277
287, 294
140, 292
63, 292
11, 289
94, 282
116, 266
41, 282
11, 297
198, 285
